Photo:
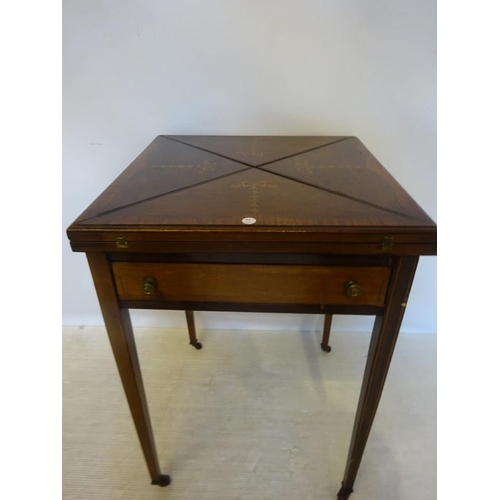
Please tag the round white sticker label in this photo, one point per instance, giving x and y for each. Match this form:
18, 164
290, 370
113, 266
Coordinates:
249, 220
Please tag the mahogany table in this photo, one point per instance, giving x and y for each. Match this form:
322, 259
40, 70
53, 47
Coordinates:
278, 224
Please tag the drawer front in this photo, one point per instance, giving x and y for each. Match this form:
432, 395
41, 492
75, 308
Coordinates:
251, 283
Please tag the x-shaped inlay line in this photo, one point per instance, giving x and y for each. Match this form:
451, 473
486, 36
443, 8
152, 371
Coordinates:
307, 167
301, 164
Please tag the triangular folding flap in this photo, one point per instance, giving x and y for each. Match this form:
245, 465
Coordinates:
252, 197
164, 166
255, 150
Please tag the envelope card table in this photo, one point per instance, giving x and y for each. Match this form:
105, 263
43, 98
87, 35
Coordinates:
277, 224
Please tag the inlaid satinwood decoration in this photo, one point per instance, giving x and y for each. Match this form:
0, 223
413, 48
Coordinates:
254, 192
307, 167
206, 166
255, 151
280, 181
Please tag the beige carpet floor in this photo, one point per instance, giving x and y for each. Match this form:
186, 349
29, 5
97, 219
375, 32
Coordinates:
252, 416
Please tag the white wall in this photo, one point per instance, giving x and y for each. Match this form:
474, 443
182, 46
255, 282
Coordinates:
135, 69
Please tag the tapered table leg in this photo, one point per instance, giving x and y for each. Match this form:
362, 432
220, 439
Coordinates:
121, 337
326, 333
383, 341
192, 330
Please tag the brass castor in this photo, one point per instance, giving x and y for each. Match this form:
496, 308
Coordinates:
344, 493
162, 480
326, 348
197, 345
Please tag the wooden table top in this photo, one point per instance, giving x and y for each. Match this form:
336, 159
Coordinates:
253, 186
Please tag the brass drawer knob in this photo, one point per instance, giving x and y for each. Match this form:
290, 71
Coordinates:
352, 288
149, 285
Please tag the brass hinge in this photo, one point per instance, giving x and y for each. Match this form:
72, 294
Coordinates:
388, 243
121, 242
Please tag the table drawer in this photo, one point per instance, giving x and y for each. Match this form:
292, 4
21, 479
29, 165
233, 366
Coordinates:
251, 283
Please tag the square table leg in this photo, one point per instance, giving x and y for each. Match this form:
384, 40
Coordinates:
121, 337
383, 341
